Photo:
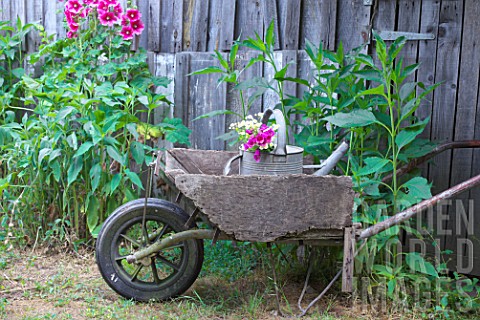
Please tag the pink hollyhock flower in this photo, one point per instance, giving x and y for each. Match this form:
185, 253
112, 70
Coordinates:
133, 14
71, 34
118, 10
137, 26
111, 2
69, 16
73, 6
87, 2
94, 3
256, 155
107, 18
125, 21
73, 26
102, 6
127, 33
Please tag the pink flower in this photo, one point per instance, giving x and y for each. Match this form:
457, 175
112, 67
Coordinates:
111, 2
94, 3
256, 155
73, 26
84, 13
133, 14
127, 33
71, 34
107, 18
118, 10
74, 6
87, 2
102, 7
69, 16
137, 26
125, 21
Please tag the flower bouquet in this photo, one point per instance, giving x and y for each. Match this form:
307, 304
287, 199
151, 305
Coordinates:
254, 135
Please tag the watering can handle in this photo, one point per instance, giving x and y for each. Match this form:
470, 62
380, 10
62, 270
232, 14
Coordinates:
281, 148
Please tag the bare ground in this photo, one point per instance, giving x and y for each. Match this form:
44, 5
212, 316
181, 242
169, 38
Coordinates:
48, 284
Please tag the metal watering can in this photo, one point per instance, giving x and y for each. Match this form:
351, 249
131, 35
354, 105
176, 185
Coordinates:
284, 159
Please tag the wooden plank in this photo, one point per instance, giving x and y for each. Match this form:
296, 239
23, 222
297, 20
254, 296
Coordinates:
61, 31
163, 65
34, 14
221, 25
143, 6
475, 194
249, 19
447, 65
353, 20
5, 14
427, 54
198, 95
348, 259
319, 21
195, 25
50, 17
271, 14
171, 33
409, 21
199, 161
277, 212
289, 24
154, 26
466, 163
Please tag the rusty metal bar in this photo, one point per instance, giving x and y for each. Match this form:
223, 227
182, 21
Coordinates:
410, 212
439, 149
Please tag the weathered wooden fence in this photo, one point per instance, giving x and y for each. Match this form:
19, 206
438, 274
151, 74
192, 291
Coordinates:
181, 35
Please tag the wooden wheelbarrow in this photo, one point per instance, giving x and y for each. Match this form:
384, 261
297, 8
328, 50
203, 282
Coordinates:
152, 249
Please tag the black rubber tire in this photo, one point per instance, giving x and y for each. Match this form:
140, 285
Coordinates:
117, 272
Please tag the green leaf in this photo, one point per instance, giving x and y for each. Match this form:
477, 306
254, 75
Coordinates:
419, 188
42, 154
406, 136
138, 153
369, 74
134, 178
18, 72
418, 264
143, 100
270, 36
56, 170
406, 90
95, 175
418, 148
355, 118
93, 213
280, 74
74, 169
373, 164
215, 113
208, 70
113, 152
380, 90
115, 182
84, 147
72, 141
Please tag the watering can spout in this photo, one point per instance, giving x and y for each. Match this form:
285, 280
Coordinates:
332, 161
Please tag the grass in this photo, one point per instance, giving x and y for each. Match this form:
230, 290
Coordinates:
234, 284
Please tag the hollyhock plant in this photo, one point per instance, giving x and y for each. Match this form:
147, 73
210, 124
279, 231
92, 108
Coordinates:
254, 135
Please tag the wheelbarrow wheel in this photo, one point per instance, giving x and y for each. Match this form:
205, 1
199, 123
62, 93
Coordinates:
169, 273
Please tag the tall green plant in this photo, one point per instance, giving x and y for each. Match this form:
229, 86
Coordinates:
76, 156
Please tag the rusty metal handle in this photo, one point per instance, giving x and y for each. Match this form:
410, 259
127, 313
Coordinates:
281, 148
